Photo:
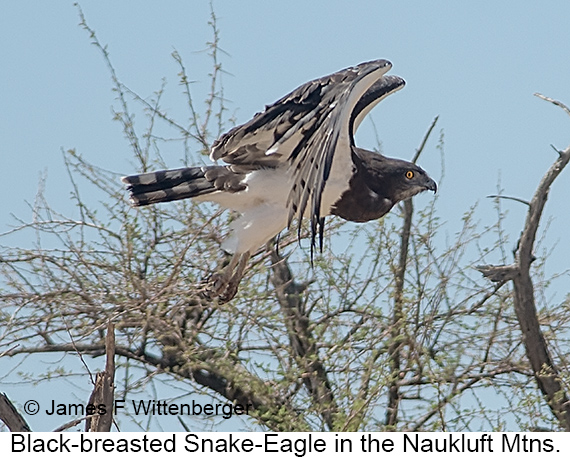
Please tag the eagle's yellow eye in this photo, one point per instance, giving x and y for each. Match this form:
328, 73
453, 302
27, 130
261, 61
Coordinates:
409, 174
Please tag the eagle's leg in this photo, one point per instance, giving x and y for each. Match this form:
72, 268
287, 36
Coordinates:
233, 283
225, 283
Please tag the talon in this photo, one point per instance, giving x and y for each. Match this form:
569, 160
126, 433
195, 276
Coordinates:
224, 285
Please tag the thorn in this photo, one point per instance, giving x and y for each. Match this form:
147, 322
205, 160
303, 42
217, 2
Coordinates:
557, 150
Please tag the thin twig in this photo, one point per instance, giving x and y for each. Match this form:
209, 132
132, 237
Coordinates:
554, 102
424, 141
516, 199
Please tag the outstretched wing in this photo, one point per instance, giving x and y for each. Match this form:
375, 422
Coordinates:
308, 130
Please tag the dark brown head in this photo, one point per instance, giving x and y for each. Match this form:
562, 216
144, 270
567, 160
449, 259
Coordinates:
378, 184
394, 179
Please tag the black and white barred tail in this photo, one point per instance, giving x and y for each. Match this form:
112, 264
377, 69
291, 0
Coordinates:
169, 185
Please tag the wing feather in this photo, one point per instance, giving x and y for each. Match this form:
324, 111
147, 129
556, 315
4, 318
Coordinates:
309, 132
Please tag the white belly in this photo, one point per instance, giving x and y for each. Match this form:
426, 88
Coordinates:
262, 207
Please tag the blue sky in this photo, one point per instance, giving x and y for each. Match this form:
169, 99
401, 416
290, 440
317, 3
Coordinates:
475, 64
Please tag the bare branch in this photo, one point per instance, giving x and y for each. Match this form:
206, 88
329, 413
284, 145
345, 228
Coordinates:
10, 415
72, 423
545, 371
499, 273
103, 392
554, 102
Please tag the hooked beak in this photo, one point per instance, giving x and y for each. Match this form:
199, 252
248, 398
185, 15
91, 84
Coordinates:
431, 185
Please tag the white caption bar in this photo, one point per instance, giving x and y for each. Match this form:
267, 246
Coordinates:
288, 444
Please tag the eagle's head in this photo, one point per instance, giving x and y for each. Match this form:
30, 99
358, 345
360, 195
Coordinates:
402, 180
377, 184
394, 179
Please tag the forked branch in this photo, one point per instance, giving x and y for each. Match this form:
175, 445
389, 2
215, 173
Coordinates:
543, 367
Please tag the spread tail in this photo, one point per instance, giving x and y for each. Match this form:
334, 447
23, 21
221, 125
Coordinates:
168, 185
